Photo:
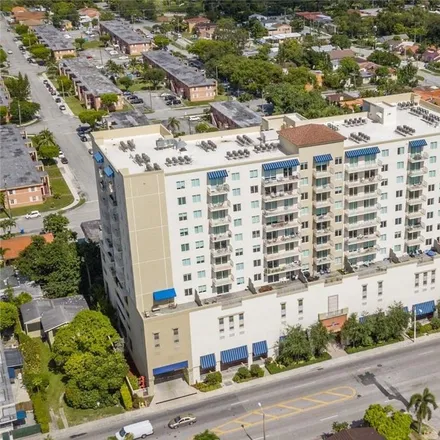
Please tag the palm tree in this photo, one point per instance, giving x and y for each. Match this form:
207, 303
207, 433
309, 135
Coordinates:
6, 225
44, 138
421, 404
173, 124
133, 64
114, 68
2, 255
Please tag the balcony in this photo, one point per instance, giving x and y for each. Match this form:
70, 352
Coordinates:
322, 203
282, 240
417, 172
283, 253
327, 259
280, 180
223, 281
282, 268
221, 251
221, 236
218, 189
414, 240
416, 227
362, 166
324, 217
334, 314
416, 200
216, 267
363, 196
361, 224
415, 214
281, 210
361, 251
281, 195
323, 188
220, 221
361, 238
280, 225
418, 157
321, 174
363, 181
324, 231
419, 185
322, 246
363, 210
219, 206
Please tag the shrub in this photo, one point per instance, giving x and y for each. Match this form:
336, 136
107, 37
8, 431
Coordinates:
242, 375
256, 371
268, 361
435, 323
213, 378
204, 388
126, 398
427, 328
41, 412
133, 381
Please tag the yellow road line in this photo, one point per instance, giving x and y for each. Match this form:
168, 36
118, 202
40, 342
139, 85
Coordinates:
335, 394
289, 407
314, 400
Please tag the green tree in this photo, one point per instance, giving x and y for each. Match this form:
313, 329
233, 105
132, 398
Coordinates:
291, 51
22, 298
355, 334
3, 114
295, 346
150, 10
108, 100
44, 137
202, 127
65, 84
56, 224
349, 70
161, 41
48, 151
114, 68
126, 82
228, 31
40, 52
6, 226
206, 435
173, 124
422, 404
300, 76
257, 29
387, 421
340, 40
91, 116
380, 330
339, 426
3, 56
25, 110
19, 87
104, 38
106, 16
319, 338
384, 58
407, 75
154, 75
79, 42
9, 315
21, 29
397, 320
208, 50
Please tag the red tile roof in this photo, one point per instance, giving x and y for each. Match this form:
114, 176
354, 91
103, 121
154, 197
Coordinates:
311, 134
17, 244
357, 434
197, 20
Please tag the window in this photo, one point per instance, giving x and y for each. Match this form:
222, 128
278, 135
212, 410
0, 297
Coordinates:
399, 179
304, 211
241, 320
183, 232
397, 248
383, 210
200, 244
304, 196
430, 214
221, 325
383, 237
384, 182
338, 260
397, 235
257, 263
176, 335
304, 181
255, 234
202, 289
180, 184
195, 183
198, 229
384, 196
200, 259
236, 192
429, 229
240, 280
432, 173
254, 189
231, 323
338, 233
235, 176
201, 274
255, 204
240, 266
398, 221
300, 306
283, 310
187, 277
255, 219
399, 207
181, 201
238, 237
239, 252
257, 277
304, 239
433, 145
385, 153
237, 222
401, 150
338, 160
400, 165
304, 225
256, 248
433, 159
338, 218
430, 201
433, 277
416, 279
186, 262
304, 166
379, 288
399, 193
184, 247
156, 340
364, 292
196, 198
431, 188
253, 174
197, 214
384, 168
237, 207
188, 292
338, 246
338, 190
338, 175
183, 216
305, 253
383, 224
338, 205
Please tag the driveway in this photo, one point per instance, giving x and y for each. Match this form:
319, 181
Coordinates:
172, 390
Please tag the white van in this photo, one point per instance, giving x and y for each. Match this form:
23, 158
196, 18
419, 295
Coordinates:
139, 430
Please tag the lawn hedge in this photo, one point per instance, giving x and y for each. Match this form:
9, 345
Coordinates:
351, 350
127, 400
41, 412
274, 368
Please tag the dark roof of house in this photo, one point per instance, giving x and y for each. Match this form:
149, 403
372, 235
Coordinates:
53, 38
14, 358
241, 115
358, 434
92, 229
339, 54
123, 31
311, 134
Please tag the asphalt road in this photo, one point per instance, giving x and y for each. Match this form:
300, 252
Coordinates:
300, 406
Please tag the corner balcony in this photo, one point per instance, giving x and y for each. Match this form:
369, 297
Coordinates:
281, 195
280, 180
419, 185
281, 210
362, 166
362, 210
361, 238
220, 237
363, 181
283, 253
327, 259
322, 246
323, 203
323, 231
216, 267
334, 314
221, 251
220, 221
418, 157
415, 214
361, 224
363, 196
415, 200
417, 172
282, 268
324, 217
321, 174
363, 251
416, 227
323, 188
415, 240
218, 189
282, 240
219, 206
281, 225
223, 281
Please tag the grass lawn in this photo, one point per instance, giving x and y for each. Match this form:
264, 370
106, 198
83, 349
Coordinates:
59, 186
197, 103
75, 104
93, 44
78, 416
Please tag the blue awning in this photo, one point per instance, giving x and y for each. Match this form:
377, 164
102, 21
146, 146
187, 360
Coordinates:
323, 158
21, 415
417, 143
259, 348
109, 171
425, 308
362, 152
234, 354
217, 174
99, 158
11, 372
161, 295
170, 368
207, 361
278, 165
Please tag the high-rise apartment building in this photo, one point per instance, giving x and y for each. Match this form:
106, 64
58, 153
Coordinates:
213, 243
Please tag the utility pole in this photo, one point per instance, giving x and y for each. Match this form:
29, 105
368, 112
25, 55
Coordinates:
19, 113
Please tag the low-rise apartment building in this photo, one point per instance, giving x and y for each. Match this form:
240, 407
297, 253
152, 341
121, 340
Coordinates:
54, 40
89, 84
128, 40
233, 114
296, 221
187, 82
23, 179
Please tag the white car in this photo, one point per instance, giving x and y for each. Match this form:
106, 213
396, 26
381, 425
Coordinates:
10, 52
67, 36
60, 154
113, 52
194, 118
123, 57
33, 214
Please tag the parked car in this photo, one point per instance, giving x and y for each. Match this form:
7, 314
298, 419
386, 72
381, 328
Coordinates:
64, 160
53, 92
127, 93
113, 52
60, 154
57, 100
62, 107
176, 102
82, 129
177, 422
137, 101
33, 214
123, 57
10, 52
84, 138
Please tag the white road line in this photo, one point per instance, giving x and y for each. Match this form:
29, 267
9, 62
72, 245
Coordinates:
328, 418
426, 352
239, 403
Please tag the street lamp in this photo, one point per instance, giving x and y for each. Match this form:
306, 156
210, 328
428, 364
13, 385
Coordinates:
264, 421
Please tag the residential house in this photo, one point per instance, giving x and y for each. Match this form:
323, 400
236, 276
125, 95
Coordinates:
396, 37
89, 12
205, 31
194, 21
278, 28
43, 317
22, 15
431, 55
54, 40
22, 177
339, 54
13, 246
128, 40
8, 412
429, 94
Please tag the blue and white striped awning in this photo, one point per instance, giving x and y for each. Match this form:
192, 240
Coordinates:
417, 143
207, 361
109, 171
259, 348
234, 354
282, 337
217, 174
362, 152
323, 158
278, 165
425, 308
98, 157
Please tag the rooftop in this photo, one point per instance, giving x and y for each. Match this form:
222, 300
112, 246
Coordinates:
92, 79
235, 111
189, 76
123, 32
19, 243
53, 38
130, 118
92, 230
339, 54
17, 167
7, 405
311, 134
